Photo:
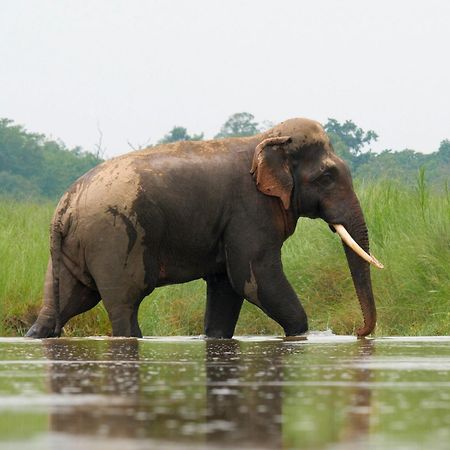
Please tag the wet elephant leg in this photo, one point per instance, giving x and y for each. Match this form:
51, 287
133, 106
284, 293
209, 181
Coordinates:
122, 297
123, 283
223, 305
134, 324
44, 326
260, 278
75, 297
122, 306
125, 270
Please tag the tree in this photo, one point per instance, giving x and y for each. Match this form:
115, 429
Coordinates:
180, 134
32, 165
19, 150
349, 140
443, 154
438, 167
239, 124
18, 187
350, 134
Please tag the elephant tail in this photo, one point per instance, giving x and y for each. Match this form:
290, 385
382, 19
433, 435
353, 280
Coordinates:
55, 251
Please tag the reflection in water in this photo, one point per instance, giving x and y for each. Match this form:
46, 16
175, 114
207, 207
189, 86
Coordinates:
327, 398
88, 372
237, 396
126, 389
357, 425
244, 394
195, 394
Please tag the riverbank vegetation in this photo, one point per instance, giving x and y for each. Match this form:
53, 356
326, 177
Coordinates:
405, 197
410, 234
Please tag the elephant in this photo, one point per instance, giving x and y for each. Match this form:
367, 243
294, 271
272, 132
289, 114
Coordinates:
218, 210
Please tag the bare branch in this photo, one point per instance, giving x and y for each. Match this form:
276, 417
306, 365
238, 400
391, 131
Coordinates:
140, 146
99, 149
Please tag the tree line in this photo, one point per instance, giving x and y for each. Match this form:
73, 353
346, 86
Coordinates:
33, 166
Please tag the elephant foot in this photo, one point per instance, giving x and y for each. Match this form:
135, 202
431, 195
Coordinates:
296, 331
38, 331
218, 335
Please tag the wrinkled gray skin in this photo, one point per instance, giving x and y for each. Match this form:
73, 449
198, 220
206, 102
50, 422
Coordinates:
218, 210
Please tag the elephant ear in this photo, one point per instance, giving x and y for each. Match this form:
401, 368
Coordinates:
270, 169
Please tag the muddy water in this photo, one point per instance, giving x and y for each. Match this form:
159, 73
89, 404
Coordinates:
326, 392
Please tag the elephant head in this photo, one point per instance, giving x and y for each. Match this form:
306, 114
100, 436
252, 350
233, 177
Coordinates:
296, 162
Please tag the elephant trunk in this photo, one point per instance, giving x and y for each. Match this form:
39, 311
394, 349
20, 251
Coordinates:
360, 270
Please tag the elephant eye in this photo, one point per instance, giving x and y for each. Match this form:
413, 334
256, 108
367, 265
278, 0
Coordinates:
325, 179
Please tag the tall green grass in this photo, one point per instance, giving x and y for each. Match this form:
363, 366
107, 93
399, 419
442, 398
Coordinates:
23, 254
410, 234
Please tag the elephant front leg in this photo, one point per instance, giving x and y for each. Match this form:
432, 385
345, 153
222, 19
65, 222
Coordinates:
223, 305
261, 280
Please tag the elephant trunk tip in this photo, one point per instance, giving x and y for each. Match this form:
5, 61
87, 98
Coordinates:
366, 329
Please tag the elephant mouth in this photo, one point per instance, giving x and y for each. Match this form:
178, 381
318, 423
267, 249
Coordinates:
351, 243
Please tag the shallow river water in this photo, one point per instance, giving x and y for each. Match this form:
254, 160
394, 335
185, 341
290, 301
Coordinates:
326, 392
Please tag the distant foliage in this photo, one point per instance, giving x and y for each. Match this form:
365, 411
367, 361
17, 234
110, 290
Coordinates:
404, 166
180, 134
239, 124
33, 166
444, 151
352, 136
351, 143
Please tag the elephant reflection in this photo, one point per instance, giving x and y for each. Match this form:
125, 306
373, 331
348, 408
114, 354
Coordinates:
97, 381
244, 393
229, 394
106, 390
249, 402
357, 427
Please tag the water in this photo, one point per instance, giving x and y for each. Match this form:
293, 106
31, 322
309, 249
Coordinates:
326, 392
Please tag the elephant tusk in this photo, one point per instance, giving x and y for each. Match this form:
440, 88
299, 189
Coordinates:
345, 236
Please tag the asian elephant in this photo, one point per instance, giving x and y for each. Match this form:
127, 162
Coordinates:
218, 210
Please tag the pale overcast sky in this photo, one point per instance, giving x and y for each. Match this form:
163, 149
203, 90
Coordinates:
137, 68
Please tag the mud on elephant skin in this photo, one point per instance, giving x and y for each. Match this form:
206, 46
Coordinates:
218, 210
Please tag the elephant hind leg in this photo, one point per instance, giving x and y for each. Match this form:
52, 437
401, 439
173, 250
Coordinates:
75, 298
122, 307
44, 326
125, 271
122, 296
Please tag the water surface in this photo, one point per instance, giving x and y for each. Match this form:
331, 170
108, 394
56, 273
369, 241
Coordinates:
326, 392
